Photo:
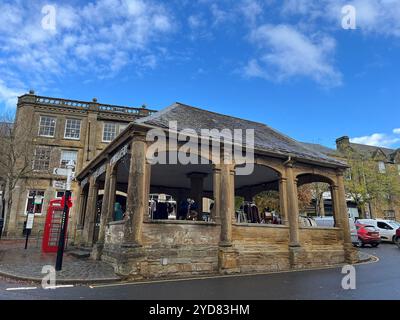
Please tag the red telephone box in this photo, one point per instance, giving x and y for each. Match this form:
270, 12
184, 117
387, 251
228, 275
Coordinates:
53, 225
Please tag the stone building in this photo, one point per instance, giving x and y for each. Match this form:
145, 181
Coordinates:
141, 247
384, 158
62, 130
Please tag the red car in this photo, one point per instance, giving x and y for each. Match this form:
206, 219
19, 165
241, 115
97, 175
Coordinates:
397, 237
367, 235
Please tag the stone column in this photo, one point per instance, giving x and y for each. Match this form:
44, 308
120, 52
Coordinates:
216, 212
227, 254
283, 196
146, 216
98, 248
336, 206
293, 207
196, 190
227, 207
350, 253
112, 190
90, 215
136, 202
322, 206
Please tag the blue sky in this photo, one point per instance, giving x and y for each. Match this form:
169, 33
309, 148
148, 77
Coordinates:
289, 64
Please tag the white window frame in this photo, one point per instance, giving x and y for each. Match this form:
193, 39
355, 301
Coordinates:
69, 150
27, 199
34, 158
40, 126
65, 129
115, 132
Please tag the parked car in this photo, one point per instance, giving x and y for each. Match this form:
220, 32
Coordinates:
397, 237
387, 228
353, 232
367, 234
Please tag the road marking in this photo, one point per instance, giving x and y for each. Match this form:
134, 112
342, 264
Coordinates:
375, 259
21, 288
60, 286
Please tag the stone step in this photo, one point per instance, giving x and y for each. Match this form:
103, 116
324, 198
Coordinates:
80, 253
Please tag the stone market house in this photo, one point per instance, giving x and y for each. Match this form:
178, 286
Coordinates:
139, 247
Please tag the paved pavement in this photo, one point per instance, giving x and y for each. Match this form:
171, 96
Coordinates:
379, 280
16, 262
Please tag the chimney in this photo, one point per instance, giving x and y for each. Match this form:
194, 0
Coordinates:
342, 143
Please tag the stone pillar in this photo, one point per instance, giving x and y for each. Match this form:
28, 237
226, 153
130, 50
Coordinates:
227, 254
196, 190
216, 212
147, 192
98, 248
79, 215
112, 190
136, 202
293, 207
336, 206
227, 207
90, 215
322, 206
349, 251
283, 196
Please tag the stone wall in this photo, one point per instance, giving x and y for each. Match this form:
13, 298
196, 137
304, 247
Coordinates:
170, 248
260, 247
320, 247
185, 248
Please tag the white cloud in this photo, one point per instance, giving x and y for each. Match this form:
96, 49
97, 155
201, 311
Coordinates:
377, 139
381, 17
98, 38
8, 96
396, 131
286, 52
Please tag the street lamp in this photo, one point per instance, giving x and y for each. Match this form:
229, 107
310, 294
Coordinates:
67, 196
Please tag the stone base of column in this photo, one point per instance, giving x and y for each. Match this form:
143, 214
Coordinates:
228, 262
297, 257
97, 251
350, 254
131, 263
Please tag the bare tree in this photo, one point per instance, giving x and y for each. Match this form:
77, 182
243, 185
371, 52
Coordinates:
16, 156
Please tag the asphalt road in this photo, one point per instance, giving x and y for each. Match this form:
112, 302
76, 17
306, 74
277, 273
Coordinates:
380, 280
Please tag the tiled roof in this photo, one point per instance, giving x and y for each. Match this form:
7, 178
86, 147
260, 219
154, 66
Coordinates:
266, 138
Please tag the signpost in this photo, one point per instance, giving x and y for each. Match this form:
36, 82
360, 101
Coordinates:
29, 224
66, 203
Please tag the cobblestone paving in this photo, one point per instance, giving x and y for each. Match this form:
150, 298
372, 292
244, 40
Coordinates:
17, 262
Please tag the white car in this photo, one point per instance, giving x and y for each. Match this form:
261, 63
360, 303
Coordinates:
387, 228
